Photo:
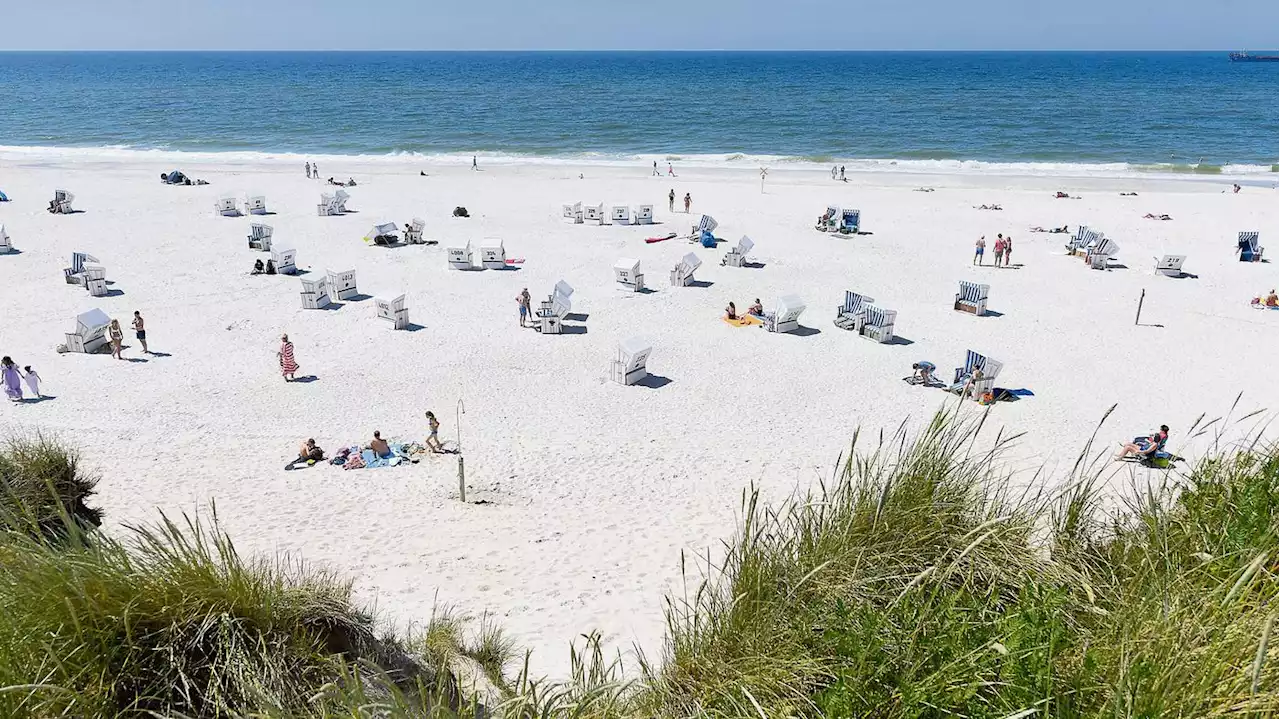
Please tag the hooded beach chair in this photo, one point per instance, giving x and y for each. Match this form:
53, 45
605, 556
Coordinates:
6, 245
260, 236
850, 221
1084, 239
255, 205
849, 315
626, 272
75, 273
493, 255
682, 273
877, 324
785, 316
91, 332
342, 285
572, 212
226, 207
620, 215
413, 234
1101, 253
1247, 246
978, 375
383, 234
392, 310
642, 214
340, 198
284, 260
1170, 265
459, 258
628, 366
551, 312
706, 226
737, 256
315, 292
830, 220
61, 204
326, 206
972, 298
94, 279
593, 213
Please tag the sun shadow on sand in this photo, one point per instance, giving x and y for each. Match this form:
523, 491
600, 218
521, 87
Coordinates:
804, 332
305, 379
573, 329
654, 381
992, 313
576, 317
700, 283
38, 400
900, 340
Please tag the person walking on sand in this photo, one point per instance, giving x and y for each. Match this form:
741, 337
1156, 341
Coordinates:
33, 381
288, 365
833, 172
474, 165
1008, 249
12, 380
978, 248
842, 174
655, 169
433, 439
140, 330
315, 171
671, 171
999, 250
117, 336
688, 202
307, 167
671, 200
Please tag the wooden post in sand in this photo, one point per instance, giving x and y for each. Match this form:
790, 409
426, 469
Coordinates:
1140, 299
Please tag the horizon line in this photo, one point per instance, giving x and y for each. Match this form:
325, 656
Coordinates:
624, 50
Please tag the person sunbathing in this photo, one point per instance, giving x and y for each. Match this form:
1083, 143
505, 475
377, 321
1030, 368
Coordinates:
1150, 216
1059, 230
1271, 300
308, 452
756, 309
1128, 194
989, 207
379, 445
351, 182
1145, 447
731, 313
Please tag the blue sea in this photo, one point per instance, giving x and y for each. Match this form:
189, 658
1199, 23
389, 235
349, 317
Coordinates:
1193, 112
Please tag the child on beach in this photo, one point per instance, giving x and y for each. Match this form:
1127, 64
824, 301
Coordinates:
433, 440
33, 381
978, 248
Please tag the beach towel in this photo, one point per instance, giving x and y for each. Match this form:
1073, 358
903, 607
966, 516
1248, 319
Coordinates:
742, 321
288, 365
651, 240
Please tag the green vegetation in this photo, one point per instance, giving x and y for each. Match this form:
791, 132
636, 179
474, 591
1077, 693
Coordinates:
920, 581
42, 489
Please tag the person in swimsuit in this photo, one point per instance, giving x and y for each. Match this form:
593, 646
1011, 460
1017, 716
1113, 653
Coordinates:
308, 452
671, 201
379, 445
978, 248
523, 303
756, 309
1008, 249
140, 330
433, 440
731, 312
688, 202
117, 336
1147, 446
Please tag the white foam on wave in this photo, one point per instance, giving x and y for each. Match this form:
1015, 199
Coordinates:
125, 153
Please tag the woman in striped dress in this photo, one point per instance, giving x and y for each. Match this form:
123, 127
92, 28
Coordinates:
288, 365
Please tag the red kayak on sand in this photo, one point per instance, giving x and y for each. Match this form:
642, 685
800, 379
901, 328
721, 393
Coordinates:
652, 240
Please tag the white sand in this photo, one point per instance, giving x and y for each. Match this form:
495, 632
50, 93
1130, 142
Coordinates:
593, 489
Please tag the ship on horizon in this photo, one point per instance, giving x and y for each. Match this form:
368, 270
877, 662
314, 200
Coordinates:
1246, 57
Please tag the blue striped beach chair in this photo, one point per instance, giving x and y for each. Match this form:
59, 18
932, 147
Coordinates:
849, 314
75, 273
877, 324
1082, 240
830, 220
1247, 246
1101, 253
972, 298
850, 220
977, 377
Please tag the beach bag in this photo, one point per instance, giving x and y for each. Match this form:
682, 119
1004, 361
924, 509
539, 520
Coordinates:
460, 212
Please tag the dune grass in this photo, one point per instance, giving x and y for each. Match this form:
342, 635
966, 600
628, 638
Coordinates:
43, 489
921, 580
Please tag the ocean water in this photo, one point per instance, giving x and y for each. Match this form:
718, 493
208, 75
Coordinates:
1192, 112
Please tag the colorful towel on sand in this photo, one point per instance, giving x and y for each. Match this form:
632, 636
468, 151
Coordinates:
743, 321
288, 365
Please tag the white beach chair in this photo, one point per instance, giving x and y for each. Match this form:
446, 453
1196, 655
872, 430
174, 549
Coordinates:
972, 298
383, 234
95, 279
493, 256
551, 312
1099, 256
593, 213
342, 285
284, 260
1247, 246
91, 332
459, 257
6, 245
573, 212
707, 224
642, 214
315, 292
737, 257
977, 377
785, 316
413, 235
620, 215
682, 273
260, 236
226, 207
1082, 240
326, 206
628, 366
340, 201
626, 272
877, 324
255, 205
61, 204
74, 274
392, 309
1170, 265
849, 315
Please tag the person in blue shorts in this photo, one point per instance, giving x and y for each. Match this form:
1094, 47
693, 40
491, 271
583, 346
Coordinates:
978, 248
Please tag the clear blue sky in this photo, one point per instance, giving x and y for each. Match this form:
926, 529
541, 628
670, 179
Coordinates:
639, 24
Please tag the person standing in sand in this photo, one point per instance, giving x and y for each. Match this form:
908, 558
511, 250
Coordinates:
474, 165
140, 329
433, 440
12, 380
33, 381
655, 169
671, 200
688, 202
978, 248
307, 167
522, 304
288, 365
315, 171
1008, 249
999, 250
117, 336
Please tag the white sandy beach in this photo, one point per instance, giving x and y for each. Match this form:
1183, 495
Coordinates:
592, 490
